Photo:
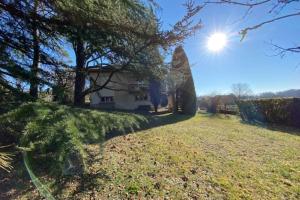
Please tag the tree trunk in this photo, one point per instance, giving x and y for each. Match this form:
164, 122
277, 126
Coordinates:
174, 107
33, 91
177, 101
155, 108
80, 73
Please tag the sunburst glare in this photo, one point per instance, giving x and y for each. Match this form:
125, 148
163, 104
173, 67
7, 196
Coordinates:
217, 42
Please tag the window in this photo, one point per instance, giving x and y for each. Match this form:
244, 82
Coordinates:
107, 99
140, 83
141, 97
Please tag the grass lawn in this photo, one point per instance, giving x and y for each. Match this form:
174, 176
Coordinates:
204, 157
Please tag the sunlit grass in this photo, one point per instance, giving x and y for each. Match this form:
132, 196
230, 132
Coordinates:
204, 157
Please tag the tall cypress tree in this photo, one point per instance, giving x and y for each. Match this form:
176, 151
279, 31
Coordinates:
184, 94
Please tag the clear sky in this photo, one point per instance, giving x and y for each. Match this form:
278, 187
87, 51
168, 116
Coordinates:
251, 61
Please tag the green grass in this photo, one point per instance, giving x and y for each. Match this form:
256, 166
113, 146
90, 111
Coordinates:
204, 157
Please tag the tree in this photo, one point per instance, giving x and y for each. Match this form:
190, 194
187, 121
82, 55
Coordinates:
164, 100
155, 93
182, 85
174, 81
36, 52
30, 42
213, 105
277, 7
241, 90
120, 35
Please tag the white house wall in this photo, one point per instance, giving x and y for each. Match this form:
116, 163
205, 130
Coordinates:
122, 99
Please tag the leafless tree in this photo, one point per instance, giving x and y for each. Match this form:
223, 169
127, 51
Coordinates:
241, 90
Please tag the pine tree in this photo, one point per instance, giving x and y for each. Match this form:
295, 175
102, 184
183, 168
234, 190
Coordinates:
121, 35
116, 34
29, 42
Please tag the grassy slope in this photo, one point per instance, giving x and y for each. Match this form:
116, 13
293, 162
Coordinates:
199, 158
203, 157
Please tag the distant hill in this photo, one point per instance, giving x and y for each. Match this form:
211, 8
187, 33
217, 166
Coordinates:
229, 99
286, 93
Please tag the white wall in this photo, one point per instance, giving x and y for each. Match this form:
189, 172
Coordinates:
122, 99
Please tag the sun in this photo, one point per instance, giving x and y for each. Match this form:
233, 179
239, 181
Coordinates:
216, 42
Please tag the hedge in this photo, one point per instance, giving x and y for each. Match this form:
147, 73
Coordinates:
283, 111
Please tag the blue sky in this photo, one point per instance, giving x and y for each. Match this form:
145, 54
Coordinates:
251, 61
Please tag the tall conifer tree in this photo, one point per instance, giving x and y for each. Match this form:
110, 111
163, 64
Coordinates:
183, 89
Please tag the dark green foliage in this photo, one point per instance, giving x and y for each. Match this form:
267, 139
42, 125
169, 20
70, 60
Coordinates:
189, 98
283, 111
106, 34
155, 93
164, 100
123, 35
30, 46
10, 99
213, 104
58, 131
184, 88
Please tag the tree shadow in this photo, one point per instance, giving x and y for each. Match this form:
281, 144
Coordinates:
88, 182
154, 120
269, 126
18, 183
274, 127
218, 115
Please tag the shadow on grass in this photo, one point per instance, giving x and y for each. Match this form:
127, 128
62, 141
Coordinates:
85, 183
17, 184
88, 182
274, 127
218, 115
154, 120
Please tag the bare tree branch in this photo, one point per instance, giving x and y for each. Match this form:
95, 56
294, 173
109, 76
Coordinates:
248, 4
274, 4
245, 31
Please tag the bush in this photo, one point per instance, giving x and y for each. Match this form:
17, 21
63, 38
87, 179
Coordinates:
283, 111
59, 132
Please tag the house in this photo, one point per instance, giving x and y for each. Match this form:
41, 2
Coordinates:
124, 91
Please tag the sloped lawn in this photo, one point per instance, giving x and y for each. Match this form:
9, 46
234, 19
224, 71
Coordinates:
204, 157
